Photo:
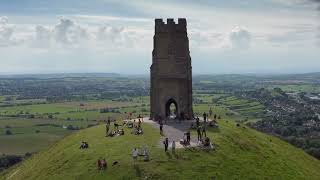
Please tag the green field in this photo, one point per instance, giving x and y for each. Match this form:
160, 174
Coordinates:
30, 135
308, 88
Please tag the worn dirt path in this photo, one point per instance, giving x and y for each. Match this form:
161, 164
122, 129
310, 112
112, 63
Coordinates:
174, 130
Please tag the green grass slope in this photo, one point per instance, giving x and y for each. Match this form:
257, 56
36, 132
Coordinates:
241, 153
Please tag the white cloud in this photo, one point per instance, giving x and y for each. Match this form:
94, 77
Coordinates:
72, 35
43, 37
95, 18
99, 43
3, 20
237, 38
304, 3
240, 38
114, 35
5, 31
69, 32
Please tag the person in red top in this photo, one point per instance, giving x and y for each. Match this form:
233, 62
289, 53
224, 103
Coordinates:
130, 115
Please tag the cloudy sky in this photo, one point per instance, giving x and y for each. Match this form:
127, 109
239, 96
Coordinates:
247, 36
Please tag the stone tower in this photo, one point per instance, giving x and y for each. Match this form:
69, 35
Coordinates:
171, 76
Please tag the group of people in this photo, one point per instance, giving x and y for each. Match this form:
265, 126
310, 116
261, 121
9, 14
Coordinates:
137, 128
201, 129
115, 132
212, 123
144, 152
204, 141
206, 144
166, 145
185, 141
130, 116
84, 145
102, 164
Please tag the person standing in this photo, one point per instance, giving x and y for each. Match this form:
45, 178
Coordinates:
166, 144
188, 137
210, 112
139, 124
173, 147
197, 122
146, 154
103, 164
159, 119
204, 117
135, 154
204, 133
199, 133
161, 128
107, 128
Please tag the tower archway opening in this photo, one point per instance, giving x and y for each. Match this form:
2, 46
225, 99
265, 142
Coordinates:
171, 109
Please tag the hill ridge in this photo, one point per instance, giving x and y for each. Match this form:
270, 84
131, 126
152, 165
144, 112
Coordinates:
241, 153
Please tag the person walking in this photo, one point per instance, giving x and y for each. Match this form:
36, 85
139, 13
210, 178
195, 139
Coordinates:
166, 144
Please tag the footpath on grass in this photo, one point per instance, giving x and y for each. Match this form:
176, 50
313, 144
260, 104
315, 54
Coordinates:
174, 130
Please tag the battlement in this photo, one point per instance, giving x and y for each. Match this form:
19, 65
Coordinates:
171, 26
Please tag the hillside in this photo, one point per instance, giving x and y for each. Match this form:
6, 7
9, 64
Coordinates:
241, 153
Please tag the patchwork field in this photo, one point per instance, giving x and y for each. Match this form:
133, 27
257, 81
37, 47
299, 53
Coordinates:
30, 128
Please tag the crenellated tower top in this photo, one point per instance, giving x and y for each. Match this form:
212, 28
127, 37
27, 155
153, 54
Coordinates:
162, 27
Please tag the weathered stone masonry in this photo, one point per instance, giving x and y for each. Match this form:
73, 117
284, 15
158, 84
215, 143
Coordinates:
171, 71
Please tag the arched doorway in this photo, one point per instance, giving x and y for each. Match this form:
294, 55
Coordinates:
171, 109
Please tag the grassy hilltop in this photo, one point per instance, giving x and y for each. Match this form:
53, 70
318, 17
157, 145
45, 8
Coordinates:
241, 153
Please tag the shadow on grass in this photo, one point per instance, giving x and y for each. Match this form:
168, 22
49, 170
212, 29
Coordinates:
176, 156
213, 129
192, 149
169, 155
137, 170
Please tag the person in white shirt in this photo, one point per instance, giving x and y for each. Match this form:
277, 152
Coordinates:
135, 153
146, 153
173, 147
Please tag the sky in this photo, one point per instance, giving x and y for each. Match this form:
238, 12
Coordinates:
113, 36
